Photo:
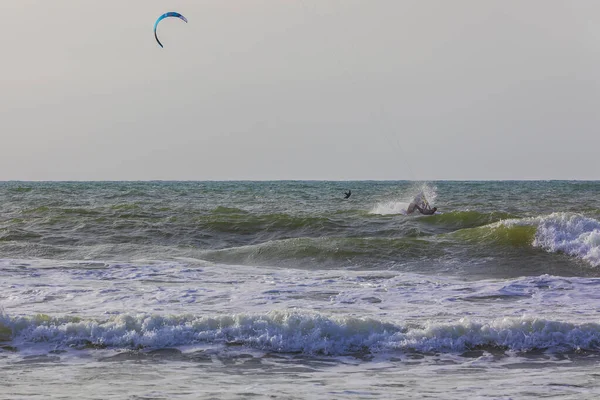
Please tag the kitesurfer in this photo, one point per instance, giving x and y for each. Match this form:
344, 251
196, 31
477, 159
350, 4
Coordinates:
426, 210
347, 194
420, 203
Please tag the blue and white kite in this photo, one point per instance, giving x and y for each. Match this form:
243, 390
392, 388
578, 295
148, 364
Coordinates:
166, 15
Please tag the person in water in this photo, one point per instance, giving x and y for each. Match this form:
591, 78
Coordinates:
426, 210
347, 194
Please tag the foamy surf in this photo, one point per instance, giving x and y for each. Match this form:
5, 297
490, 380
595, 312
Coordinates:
293, 332
567, 233
572, 234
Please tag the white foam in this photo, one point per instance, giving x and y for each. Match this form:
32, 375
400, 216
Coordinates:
572, 234
311, 333
160, 304
517, 334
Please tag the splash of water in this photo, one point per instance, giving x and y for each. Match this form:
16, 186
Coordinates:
401, 203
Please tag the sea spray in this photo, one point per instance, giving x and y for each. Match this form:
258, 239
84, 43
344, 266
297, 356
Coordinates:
404, 198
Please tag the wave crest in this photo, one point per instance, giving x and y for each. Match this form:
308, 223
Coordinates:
466, 219
312, 333
572, 234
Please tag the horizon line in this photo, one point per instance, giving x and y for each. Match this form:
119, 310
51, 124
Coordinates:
299, 180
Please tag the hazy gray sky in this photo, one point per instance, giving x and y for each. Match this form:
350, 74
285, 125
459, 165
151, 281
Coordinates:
300, 89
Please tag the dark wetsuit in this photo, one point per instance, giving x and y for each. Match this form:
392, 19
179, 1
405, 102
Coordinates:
425, 211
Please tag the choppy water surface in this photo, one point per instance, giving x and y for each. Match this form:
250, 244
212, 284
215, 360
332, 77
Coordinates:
241, 289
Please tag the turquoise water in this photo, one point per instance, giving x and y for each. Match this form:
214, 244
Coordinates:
235, 289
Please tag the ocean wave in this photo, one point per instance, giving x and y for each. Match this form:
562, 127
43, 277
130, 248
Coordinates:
296, 332
325, 250
228, 210
572, 234
234, 221
501, 233
567, 233
466, 219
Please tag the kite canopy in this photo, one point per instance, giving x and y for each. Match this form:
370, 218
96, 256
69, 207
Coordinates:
166, 15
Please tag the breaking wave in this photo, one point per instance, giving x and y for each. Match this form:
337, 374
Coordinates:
572, 234
294, 332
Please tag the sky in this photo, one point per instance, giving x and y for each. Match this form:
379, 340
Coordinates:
300, 89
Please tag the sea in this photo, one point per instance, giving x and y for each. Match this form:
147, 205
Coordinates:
286, 290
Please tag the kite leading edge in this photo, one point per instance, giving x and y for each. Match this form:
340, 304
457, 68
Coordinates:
166, 15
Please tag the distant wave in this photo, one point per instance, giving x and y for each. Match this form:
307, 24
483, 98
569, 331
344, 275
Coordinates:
293, 332
231, 220
336, 241
500, 233
466, 219
326, 251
